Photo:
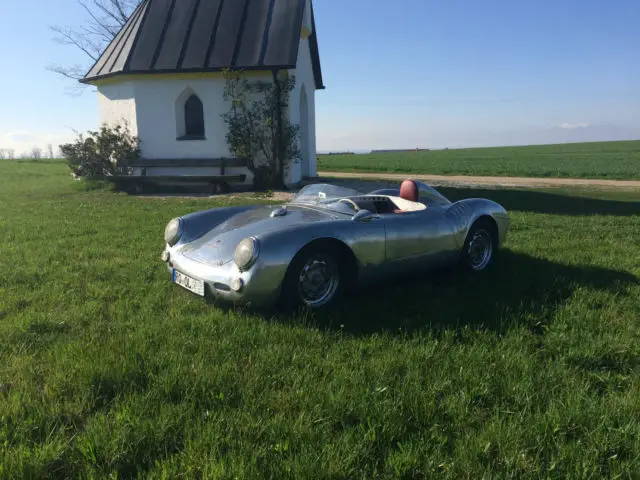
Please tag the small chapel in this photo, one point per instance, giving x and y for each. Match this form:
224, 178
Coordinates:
162, 77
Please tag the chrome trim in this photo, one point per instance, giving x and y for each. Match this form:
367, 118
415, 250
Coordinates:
318, 281
480, 250
178, 234
254, 257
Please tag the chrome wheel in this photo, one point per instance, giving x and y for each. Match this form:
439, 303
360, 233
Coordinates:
480, 249
318, 281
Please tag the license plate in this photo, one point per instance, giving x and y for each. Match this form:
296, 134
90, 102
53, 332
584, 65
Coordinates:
193, 285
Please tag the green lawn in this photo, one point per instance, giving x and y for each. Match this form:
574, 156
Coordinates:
612, 160
530, 370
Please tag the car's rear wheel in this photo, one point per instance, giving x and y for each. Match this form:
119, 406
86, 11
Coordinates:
315, 279
480, 245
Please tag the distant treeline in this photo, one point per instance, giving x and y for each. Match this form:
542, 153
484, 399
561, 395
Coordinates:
336, 153
398, 150
402, 150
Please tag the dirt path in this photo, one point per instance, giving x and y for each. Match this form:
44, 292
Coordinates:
366, 182
488, 181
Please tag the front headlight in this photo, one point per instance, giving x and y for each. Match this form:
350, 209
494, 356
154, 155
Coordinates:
246, 253
173, 232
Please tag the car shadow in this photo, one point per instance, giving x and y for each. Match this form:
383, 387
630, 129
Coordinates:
525, 200
516, 290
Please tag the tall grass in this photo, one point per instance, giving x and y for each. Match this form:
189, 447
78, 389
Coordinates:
530, 370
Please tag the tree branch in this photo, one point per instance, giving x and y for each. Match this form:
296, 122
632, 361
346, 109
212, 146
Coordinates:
105, 19
72, 73
99, 25
69, 37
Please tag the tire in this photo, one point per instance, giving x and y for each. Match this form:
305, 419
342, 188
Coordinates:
323, 269
480, 246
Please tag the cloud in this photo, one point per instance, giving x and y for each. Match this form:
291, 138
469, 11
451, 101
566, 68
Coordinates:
572, 126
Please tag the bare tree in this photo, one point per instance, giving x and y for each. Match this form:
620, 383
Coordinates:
3, 154
105, 18
36, 153
11, 153
50, 151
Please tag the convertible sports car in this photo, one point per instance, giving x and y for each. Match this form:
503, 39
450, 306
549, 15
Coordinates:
326, 240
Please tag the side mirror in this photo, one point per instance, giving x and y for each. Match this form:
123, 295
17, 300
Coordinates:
364, 216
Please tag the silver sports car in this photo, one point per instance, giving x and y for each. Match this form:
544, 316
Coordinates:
326, 240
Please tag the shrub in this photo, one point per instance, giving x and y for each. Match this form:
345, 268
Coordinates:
259, 128
100, 153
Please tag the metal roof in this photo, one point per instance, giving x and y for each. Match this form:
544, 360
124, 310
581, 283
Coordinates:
179, 36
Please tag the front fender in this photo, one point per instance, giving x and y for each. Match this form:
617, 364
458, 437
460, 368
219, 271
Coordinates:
198, 223
278, 248
365, 239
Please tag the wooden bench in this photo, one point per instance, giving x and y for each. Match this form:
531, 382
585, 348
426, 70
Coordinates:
220, 182
222, 163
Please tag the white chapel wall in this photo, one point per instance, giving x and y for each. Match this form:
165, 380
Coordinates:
117, 105
304, 77
158, 118
160, 115
150, 107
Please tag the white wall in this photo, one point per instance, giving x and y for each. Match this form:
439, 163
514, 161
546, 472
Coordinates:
304, 76
153, 107
117, 105
157, 107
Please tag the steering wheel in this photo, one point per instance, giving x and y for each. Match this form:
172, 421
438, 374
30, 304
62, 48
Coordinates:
351, 203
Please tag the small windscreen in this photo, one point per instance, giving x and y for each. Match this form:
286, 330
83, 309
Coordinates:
323, 193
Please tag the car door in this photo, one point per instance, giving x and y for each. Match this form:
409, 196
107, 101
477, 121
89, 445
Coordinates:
418, 240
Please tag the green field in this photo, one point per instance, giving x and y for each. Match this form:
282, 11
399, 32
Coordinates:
611, 160
529, 370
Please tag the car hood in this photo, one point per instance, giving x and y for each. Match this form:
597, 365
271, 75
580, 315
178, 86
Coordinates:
217, 246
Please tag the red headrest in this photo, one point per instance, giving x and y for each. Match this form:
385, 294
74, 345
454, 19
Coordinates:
409, 191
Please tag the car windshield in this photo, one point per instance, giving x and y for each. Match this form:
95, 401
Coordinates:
326, 196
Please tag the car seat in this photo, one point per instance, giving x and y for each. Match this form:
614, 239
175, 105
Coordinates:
409, 191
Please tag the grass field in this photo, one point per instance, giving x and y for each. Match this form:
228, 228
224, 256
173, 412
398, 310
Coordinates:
611, 160
530, 370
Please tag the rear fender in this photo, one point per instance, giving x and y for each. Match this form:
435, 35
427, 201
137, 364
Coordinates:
464, 213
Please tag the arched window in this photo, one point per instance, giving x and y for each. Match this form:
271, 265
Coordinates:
194, 117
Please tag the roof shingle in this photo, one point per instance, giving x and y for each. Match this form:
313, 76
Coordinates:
176, 36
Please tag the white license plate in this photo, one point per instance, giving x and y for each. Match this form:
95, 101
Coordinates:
193, 285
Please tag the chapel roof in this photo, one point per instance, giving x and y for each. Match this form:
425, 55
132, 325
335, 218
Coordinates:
180, 36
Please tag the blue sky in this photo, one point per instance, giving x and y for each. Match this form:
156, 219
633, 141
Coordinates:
398, 74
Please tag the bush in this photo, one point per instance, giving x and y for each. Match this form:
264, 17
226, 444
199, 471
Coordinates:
99, 154
258, 127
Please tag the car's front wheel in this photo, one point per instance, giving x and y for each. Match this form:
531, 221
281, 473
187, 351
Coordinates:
315, 279
480, 245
